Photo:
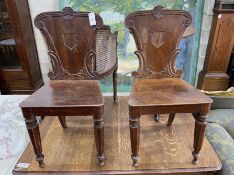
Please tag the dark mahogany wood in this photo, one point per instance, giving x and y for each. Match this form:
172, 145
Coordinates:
170, 119
73, 46
62, 120
76, 55
157, 87
26, 78
65, 98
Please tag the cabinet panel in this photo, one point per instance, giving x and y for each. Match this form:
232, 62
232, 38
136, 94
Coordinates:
214, 75
21, 73
223, 46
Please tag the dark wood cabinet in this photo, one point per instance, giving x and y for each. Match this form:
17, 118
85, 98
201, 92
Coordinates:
230, 70
213, 76
19, 65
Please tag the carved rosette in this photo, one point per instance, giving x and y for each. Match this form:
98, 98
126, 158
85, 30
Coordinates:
68, 13
158, 11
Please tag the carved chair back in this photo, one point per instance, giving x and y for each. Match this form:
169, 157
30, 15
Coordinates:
157, 34
72, 45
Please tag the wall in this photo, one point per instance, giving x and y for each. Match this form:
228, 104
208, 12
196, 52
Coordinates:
205, 32
36, 8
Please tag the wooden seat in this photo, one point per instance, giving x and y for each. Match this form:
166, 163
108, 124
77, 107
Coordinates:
80, 55
66, 93
157, 87
165, 92
65, 98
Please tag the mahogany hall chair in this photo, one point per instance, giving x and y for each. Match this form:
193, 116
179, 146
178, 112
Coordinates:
80, 55
157, 87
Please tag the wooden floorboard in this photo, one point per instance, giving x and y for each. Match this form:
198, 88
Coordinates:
162, 149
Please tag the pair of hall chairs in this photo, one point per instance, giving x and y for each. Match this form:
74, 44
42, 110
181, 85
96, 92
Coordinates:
81, 54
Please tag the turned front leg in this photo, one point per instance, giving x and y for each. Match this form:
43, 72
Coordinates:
199, 132
134, 125
99, 138
32, 124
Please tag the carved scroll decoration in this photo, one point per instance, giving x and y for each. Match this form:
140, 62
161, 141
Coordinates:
144, 71
58, 71
168, 71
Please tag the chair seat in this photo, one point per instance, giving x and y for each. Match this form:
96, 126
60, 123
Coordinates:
165, 92
66, 93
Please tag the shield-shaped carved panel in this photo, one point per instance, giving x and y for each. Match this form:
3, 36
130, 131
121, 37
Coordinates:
70, 40
158, 38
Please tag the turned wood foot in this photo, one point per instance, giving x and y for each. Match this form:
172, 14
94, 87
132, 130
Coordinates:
196, 155
62, 120
101, 160
199, 132
40, 161
134, 125
135, 159
115, 85
99, 138
157, 117
170, 119
32, 124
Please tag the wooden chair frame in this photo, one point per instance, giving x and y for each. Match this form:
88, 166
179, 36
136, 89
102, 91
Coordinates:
157, 34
